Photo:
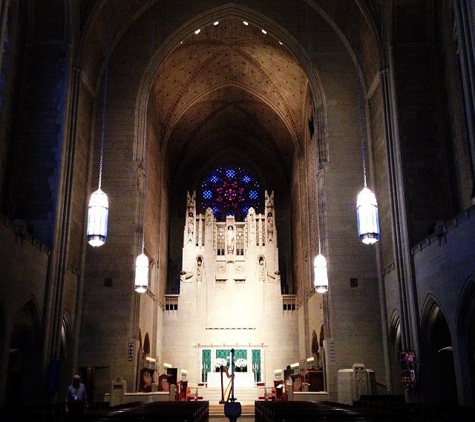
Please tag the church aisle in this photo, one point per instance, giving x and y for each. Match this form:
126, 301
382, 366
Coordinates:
216, 413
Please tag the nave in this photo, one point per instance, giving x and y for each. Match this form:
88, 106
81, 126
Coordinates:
367, 409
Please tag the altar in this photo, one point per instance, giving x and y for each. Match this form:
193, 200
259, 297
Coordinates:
241, 379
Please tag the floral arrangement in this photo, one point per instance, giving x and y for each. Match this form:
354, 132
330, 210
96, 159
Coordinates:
241, 363
220, 362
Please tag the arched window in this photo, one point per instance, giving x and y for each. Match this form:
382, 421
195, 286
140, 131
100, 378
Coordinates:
230, 190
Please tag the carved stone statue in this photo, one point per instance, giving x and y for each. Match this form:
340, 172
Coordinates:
190, 224
270, 227
209, 216
262, 268
199, 268
230, 239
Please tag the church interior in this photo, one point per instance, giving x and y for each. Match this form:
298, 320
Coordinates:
184, 187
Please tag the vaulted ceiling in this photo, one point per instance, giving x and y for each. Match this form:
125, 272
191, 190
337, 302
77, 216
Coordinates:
229, 92
231, 87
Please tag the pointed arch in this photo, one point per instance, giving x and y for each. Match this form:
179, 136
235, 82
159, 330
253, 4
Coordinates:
395, 333
394, 350
465, 322
24, 361
66, 347
315, 346
438, 374
146, 344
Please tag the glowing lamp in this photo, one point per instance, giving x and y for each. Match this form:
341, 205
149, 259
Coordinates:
98, 215
367, 217
141, 273
320, 273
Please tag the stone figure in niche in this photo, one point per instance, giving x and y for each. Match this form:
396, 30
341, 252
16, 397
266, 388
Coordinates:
230, 239
262, 268
190, 212
270, 227
190, 224
209, 216
252, 223
199, 268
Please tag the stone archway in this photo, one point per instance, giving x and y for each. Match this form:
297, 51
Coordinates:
395, 347
439, 374
23, 377
466, 341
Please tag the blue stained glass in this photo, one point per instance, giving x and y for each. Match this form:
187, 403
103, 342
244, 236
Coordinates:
230, 191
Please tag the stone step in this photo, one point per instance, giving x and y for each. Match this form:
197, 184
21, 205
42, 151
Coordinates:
245, 396
216, 413
218, 410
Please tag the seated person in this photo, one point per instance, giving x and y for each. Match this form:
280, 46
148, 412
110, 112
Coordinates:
146, 380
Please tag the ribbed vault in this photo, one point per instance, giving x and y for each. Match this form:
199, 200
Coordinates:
230, 86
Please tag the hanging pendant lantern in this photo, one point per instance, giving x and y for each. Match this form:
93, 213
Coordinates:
320, 274
142, 263
366, 205
141, 273
367, 217
98, 211
97, 218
